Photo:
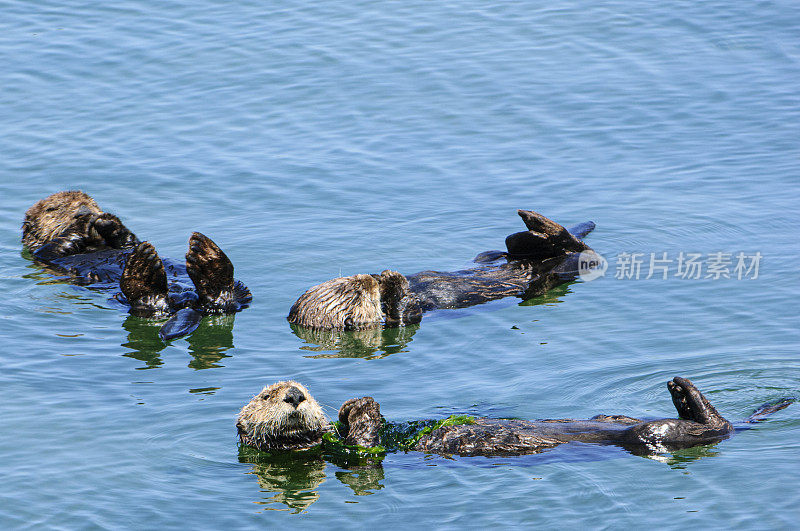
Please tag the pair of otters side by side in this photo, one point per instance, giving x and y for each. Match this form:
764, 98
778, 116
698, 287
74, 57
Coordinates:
69, 232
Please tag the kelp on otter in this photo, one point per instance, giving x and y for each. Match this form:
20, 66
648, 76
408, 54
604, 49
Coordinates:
362, 431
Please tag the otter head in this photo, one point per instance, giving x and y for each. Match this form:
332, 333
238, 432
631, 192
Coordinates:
283, 416
357, 302
54, 214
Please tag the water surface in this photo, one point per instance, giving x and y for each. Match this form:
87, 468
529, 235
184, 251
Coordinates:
312, 141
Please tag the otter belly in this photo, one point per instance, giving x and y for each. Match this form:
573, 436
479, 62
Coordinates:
517, 437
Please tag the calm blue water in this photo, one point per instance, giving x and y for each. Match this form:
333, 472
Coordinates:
317, 139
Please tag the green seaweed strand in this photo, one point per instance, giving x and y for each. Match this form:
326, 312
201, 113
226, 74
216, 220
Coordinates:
334, 445
452, 420
393, 437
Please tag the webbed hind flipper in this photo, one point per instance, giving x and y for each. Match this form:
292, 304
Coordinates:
544, 238
182, 323
212, 274
691, 404
144, 281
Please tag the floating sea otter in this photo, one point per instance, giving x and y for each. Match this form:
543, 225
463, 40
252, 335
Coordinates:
536, 260
69, 232
284, 416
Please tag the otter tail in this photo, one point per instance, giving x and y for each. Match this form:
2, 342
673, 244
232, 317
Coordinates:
769, 408
182, 323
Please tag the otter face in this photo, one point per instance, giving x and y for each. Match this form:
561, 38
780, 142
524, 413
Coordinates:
51, 216
283, 416
357, 302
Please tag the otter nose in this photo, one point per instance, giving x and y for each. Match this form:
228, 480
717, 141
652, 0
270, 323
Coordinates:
294, 396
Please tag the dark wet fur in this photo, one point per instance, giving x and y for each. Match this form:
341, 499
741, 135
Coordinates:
699, 424
95, 248
536, 260
212, 274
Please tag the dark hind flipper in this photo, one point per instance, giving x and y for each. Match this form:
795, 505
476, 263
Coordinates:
242, 293
361, 421
581, 230
113, 232
182, 323
144, 282
770, 408
544, 238
212, 274
539, 223
691, 404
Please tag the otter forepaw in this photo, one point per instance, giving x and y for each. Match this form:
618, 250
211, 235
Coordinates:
144, 281
115, 234
361, 419
212, 274
73, 240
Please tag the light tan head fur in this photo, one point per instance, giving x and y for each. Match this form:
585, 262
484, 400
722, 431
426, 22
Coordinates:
283, 416
343, 303
52, 215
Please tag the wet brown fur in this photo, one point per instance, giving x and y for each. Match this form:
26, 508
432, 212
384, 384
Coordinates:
395, 300
357, 302
69, 230
344, 303
360, 421
270, 422
50, 217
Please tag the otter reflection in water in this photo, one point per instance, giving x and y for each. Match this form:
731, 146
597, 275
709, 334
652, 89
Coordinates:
284, 416
295, 480
69, 232
368, 343
208, 345
536, 260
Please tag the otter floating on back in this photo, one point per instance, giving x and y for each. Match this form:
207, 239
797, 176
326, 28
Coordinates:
69, 231
284, 416
536, 260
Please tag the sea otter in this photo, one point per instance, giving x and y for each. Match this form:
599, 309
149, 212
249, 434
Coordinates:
536, 260
70, 232
284, 416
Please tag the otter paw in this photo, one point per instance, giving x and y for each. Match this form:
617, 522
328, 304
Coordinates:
144, 281
115, 234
